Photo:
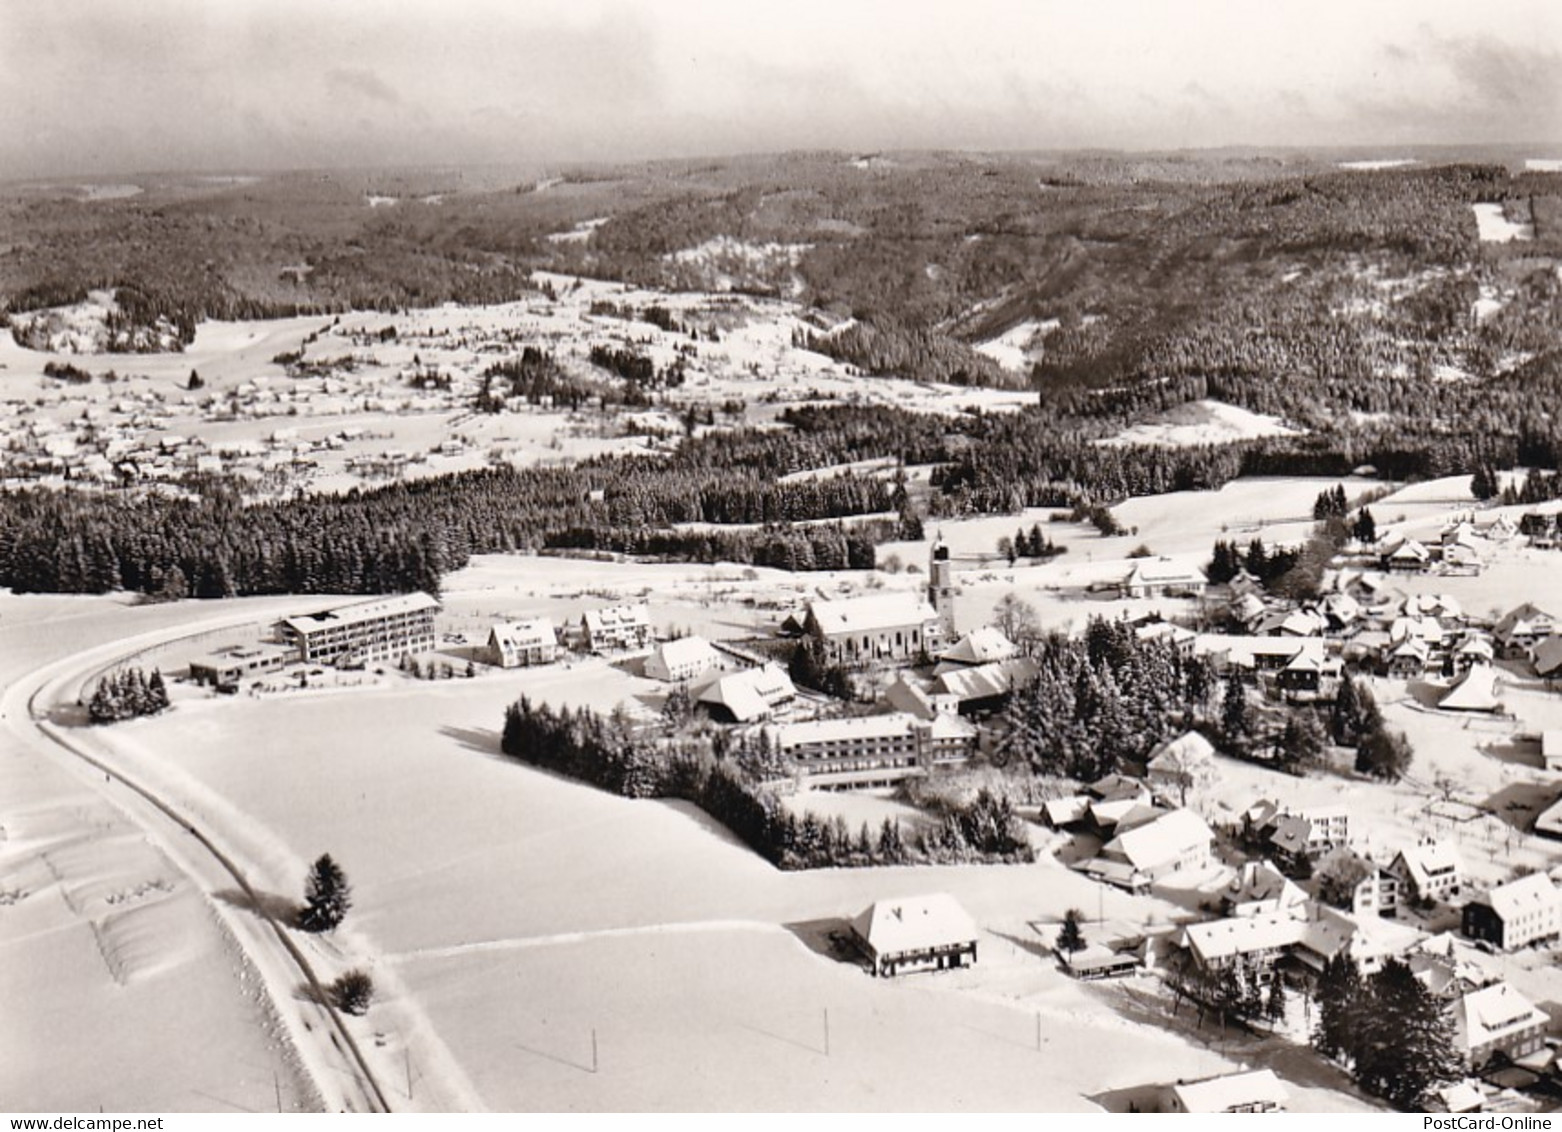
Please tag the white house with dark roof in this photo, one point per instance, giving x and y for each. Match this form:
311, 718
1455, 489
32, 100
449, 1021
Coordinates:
1258, 888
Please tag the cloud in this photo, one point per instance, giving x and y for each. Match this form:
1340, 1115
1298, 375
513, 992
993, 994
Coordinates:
357, 80
1503, 75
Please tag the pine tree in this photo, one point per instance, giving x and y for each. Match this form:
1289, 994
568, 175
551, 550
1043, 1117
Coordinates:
157, 691
1366, 527
1234, 722
1384, 754
1274, 1005
1070, 937
327, 896
1339, 988
1302, 741
1403, 1040
1483, 485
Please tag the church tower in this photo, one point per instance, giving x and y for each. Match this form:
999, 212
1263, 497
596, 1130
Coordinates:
941, 589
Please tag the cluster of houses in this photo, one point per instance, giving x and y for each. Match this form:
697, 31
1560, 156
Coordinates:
128, 436
1299, 652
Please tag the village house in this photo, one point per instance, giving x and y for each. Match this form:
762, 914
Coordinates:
617, 627
518, 644
1162, 577
1375, 894
1474, 649
1450, 967
1405, 556
1547, 657
1259, 888
1430, 871
860, 631
1407, 660
1516, 914
915, 933
1097, 961
1521, 629
1307, 677
748, 696
1295, 840
363, 632
986, 645
983, 688
1162, 845
1180, 639
1178, 765
679, 661
1307, 935
1497, 1021
1257, 1090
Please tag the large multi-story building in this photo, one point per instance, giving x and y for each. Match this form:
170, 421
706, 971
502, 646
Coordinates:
872, 750
364, 632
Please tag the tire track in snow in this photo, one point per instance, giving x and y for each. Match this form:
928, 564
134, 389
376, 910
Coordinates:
561, 939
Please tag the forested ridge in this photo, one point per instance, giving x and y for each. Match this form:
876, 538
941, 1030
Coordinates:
1339, 302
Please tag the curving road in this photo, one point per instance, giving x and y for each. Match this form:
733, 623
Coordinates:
330, 1053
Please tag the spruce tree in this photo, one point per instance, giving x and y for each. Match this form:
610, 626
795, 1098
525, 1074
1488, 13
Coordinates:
1070, 937
1234, 723
1338, 991
327, 896
1403, 1040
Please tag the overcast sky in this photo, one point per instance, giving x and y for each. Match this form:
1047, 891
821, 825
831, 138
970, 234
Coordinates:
88, 86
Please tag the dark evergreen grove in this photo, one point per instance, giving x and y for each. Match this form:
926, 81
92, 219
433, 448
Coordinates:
1393, 1033
1102, 699
126, 695
608, 753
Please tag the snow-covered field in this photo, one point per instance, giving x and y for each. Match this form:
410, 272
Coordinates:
1543, 164
1203, 422
123, 986
1379, 163
1496, 228
1019, 347
506, 914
